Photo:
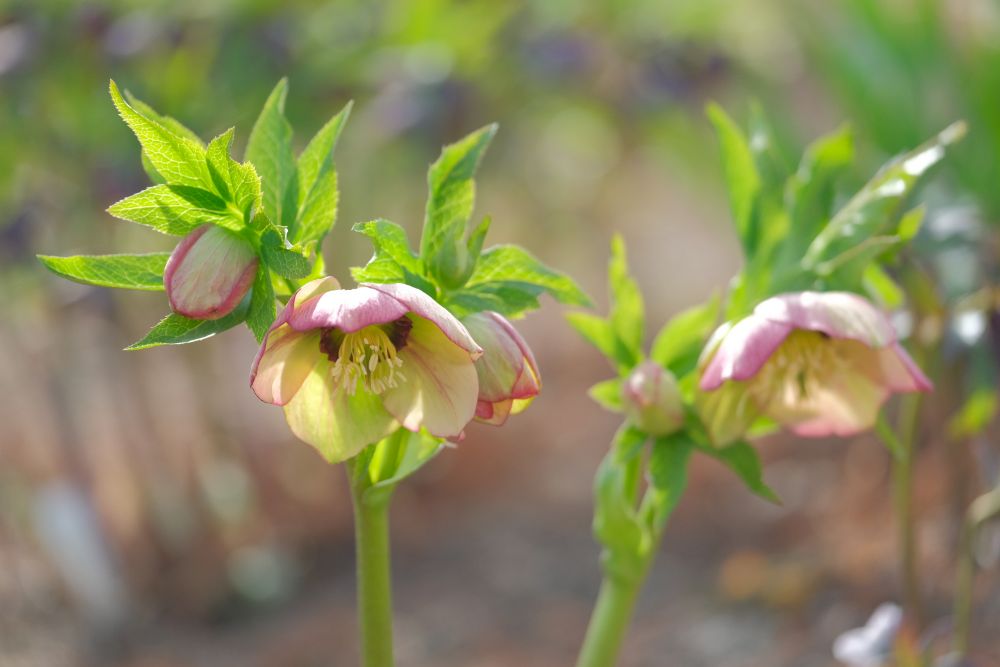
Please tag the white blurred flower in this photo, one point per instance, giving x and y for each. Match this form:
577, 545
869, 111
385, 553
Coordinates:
871, 645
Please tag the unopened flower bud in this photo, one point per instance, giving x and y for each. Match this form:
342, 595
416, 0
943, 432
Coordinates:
652, 400
508, 374
209, 273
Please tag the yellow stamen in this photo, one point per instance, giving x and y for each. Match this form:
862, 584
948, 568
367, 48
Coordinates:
802, 362
370, 357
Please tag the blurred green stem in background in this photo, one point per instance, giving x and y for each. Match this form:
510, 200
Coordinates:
609, 622
902, 477
983, 509
371, 530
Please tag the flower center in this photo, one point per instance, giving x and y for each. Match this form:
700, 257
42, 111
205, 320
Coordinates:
802, 363
369, 356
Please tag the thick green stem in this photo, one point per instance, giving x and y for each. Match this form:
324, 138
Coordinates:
609, 622
902, 475
371, 528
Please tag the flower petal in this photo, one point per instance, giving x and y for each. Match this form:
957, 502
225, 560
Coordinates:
283, 363
900, 372
845, 403
837, 314
417, 302
349, 310
337, 424
440, 389
727, 412
209, 273
743, 351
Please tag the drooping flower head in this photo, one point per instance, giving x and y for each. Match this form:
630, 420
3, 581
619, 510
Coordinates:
819, 363
209, 273
652, 400
352, 365
508, 374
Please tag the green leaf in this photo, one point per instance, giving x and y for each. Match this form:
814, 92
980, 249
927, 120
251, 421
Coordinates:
317, 183
627, 315
680, 341
511, 300
450, 203
141, 272
883, 289
270, 151
742, 179
742, 459
395, 458
262, 309
598, 332
511, 268
608, 394
668, 472
616, 523
391, 245
175, 209
283, 260
877, 207
810, 192
176, 329
179, 160
171, 124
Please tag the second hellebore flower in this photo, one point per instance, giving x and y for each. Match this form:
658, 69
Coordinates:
819, 363
350, 366
651, 399
209, 273
508, 374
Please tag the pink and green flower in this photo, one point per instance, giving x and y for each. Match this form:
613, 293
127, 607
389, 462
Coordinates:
350, 366
818, 363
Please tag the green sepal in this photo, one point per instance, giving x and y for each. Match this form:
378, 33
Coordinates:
138, 272
176, 329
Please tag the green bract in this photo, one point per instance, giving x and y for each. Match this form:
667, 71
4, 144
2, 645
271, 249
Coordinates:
452, 265
281, 206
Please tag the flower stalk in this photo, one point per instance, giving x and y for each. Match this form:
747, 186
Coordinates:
609, 621
374, 571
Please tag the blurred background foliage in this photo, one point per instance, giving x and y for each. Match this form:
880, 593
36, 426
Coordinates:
155, 514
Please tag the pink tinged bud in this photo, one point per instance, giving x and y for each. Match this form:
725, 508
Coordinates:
351, 366
652, 400
819, 363
209, 273
508, 375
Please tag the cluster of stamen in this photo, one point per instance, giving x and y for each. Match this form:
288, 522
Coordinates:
368, 356
798, 365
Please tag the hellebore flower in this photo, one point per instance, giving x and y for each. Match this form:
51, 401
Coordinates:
651, 399
871, 645
352, 365
209, 273
508, 374
819, 363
